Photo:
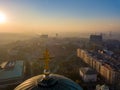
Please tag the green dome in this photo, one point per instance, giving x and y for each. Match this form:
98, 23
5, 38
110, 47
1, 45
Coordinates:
52, 82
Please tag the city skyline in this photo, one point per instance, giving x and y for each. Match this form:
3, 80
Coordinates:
46, 16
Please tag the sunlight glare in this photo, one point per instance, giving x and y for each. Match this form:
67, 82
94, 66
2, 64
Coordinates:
2, 17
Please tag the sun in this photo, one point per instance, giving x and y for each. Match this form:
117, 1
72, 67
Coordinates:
2, 17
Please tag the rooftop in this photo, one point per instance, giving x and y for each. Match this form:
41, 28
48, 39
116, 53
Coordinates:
106, 60
88, 71
14, 72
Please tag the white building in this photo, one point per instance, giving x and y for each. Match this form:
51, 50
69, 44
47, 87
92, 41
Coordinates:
102, 87
88, 74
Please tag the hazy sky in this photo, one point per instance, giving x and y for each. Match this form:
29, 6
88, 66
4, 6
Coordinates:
60, 15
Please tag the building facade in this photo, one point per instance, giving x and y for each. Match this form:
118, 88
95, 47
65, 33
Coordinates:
110, 74
88, 74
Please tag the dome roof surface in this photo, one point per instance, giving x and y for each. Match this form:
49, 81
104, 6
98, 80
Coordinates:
51, 82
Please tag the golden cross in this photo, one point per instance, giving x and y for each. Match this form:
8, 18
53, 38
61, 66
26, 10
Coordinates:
46, 58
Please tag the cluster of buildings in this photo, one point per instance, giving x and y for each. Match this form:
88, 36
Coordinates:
103, 65
44, 36
96, 38
11, 73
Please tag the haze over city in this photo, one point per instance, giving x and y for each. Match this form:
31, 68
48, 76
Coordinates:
59, 44
46, 16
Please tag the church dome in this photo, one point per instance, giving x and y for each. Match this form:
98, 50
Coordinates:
51, 82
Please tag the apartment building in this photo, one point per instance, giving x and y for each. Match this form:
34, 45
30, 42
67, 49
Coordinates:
104, 67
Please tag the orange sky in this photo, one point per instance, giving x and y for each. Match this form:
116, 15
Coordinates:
44, 16
59, 25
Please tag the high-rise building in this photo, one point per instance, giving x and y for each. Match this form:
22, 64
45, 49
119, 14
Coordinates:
96, 38
44, 36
